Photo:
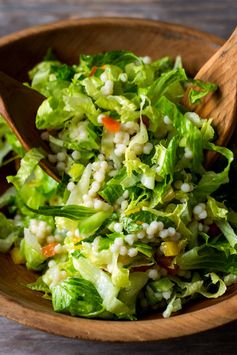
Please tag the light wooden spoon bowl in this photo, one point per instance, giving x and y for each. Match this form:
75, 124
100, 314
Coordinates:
19, 53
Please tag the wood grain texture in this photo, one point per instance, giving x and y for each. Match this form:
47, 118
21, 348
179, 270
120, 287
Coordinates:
214, 16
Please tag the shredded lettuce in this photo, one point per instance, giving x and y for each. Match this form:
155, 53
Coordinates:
137, 223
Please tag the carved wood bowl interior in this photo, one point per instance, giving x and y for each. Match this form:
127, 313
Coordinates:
20, 52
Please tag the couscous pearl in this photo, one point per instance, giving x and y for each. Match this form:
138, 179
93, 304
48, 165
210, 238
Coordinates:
130, 238
61, 166
197, 209
132, 252
76, 155
107, 89
185, 187
42, 224
123, 250
83, 135
103, 165
52, 158
147, 148
124, 205
95, 185
141, 235
118, 227
131, 127
164, 233
69, 234
99, 176
188, 154
98, 204
146, 59
160, 225
89, 203
55, 148
126, 194
193, 117
70, 186
145, 226
118, 241
118, 137
85, 197
51, 263
153, 274
171, 231
45, 136
203, 215
167, 120
155, 226
61, 156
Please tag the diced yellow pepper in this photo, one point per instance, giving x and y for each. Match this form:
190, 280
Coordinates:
170, 248
76, 240
17, 256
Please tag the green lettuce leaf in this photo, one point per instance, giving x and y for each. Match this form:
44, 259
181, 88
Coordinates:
77, 297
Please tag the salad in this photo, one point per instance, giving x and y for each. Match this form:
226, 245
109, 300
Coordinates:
137, 224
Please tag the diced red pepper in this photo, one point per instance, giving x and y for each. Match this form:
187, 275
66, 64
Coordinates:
166, 263
213, 230
145, 120
110, 124
49, 250
93, 71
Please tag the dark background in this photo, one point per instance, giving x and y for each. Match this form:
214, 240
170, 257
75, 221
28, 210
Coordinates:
218, 17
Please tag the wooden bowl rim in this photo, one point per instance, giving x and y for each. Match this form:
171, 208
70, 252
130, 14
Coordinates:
101, 330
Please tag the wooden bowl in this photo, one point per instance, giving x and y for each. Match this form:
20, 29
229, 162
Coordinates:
19, 53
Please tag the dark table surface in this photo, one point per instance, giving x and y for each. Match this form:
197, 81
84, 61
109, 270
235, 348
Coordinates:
218, 17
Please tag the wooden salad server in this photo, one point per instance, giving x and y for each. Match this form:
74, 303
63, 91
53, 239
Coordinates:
18, 106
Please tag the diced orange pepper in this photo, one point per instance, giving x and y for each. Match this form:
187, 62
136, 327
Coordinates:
48, 250
94, 69
110, 124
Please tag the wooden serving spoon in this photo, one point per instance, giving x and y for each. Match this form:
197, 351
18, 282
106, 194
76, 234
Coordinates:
19, 104
220, 69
